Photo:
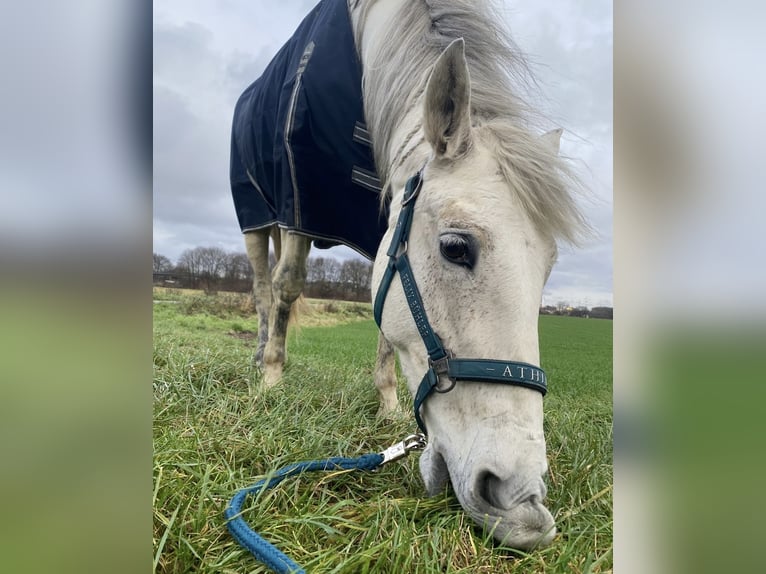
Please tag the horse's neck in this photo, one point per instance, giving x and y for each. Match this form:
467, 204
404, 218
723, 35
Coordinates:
372, 21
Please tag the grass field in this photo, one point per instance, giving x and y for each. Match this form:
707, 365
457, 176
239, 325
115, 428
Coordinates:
215, 432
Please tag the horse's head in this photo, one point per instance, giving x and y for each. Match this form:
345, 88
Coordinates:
480, 254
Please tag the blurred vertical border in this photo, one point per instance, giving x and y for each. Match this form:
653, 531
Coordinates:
689, 334
75, 286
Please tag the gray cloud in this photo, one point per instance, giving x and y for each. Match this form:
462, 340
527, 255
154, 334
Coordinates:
194, 94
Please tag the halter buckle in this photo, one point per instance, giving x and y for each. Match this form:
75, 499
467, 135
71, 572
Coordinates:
441, 367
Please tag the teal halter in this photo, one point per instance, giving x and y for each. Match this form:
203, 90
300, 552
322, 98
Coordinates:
441, 361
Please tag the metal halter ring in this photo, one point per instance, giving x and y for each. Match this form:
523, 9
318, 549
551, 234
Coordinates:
453, 382
441, 367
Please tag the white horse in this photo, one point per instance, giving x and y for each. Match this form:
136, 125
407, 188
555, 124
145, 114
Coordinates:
493, 201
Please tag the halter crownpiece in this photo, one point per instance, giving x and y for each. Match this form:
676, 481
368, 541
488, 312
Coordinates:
441, 361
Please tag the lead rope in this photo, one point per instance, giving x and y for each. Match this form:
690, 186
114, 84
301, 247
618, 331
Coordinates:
266, 552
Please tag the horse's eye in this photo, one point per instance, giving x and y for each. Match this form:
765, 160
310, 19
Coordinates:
458, 249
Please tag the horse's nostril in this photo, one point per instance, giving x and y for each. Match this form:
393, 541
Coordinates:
531, 499
487, 488
492, 490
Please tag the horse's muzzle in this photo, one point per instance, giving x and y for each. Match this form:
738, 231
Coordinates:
512, 512
511, 508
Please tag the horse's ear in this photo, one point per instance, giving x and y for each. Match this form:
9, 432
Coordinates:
553, 139
447, 121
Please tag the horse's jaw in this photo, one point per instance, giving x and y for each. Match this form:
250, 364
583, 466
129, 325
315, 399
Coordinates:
496, 470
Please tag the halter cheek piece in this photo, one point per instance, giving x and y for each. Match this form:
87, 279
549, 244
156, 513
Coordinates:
441, 361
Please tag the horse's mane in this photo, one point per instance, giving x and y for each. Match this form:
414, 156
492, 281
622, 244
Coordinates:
420, 31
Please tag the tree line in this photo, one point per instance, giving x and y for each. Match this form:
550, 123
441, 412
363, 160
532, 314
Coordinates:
214, 269
563, 308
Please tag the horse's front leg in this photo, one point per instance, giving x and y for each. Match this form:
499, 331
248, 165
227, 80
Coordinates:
385, 378
288, 280
257, 245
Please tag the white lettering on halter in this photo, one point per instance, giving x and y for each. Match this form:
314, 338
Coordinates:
535, 375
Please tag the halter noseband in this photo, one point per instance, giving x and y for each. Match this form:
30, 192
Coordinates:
441, 361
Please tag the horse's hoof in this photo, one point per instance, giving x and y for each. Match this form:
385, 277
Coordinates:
387, 413
272, 375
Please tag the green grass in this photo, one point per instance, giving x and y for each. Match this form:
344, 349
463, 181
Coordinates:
216, 431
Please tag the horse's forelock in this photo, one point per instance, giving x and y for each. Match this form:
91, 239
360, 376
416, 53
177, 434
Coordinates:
543, 181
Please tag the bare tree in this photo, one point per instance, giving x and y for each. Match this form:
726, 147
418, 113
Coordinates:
238, 267
355, 276
317, 284
333, 270
212, 261
161, 264
205, 266
325, 278
316, 270
212, 266
189, 263
238, 273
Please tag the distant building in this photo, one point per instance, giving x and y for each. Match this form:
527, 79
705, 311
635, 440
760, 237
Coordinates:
170, 279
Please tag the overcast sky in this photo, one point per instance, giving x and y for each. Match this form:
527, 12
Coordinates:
206, 53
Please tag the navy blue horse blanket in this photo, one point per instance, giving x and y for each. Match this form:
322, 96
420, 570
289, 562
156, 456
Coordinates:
301, 156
